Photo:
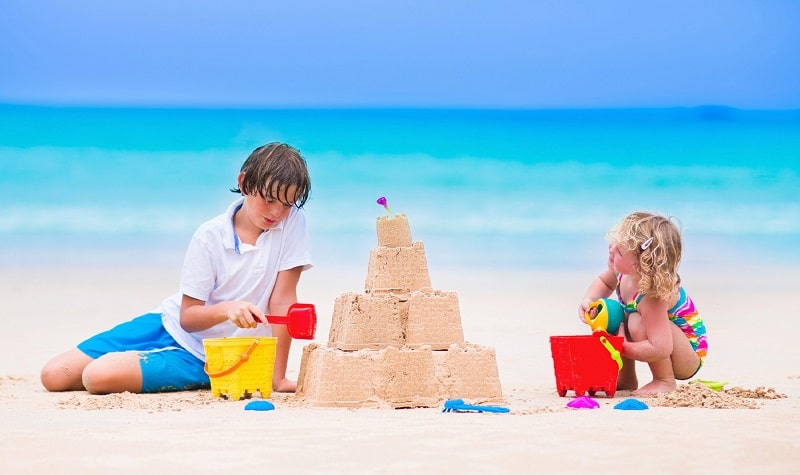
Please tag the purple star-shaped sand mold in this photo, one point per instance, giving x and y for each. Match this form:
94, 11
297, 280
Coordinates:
583, 402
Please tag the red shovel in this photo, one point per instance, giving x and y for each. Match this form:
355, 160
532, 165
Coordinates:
300, 320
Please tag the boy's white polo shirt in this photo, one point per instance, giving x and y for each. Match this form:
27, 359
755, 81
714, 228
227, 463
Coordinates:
218, 268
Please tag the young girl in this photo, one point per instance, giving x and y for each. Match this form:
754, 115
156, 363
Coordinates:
239, 265
661, 325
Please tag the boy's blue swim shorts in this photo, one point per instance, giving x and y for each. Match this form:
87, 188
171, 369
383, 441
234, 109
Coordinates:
166, 365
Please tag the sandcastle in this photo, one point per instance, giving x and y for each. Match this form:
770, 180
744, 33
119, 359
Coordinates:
400, 343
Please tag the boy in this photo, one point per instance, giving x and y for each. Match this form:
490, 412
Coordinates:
238, 266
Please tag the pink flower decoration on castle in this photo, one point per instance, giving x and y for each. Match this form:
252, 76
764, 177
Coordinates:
382, 201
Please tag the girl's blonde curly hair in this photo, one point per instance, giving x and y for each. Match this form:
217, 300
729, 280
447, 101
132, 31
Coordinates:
655, 240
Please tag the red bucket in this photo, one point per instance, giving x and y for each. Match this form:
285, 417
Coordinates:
586, 363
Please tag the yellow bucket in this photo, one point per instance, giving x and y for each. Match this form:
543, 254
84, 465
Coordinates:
240, 366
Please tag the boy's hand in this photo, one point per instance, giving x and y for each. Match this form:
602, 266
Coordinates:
244, 314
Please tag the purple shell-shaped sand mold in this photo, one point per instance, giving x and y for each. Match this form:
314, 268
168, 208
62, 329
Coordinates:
583, 402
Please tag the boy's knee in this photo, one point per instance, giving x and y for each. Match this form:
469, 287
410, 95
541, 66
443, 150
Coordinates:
48, 378
93, 381
56, 377
111, 373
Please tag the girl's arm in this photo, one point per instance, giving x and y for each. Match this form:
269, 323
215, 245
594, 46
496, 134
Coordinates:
657, 343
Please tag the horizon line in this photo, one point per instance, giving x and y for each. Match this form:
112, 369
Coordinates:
710, 108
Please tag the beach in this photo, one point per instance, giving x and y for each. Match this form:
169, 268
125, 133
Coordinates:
752, 344
512, 207
512, 136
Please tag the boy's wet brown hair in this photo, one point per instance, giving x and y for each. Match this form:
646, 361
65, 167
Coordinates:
271, 169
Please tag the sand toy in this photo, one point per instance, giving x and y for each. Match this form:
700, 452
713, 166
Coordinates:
714, 385
604, 315
240, 366
300, 320
458, 405
583, 402
631, 405
586, 363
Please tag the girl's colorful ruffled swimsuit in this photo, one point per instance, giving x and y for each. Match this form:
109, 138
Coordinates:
683, 314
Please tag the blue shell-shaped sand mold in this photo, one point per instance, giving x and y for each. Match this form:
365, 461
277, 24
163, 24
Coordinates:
631, 405
259, 406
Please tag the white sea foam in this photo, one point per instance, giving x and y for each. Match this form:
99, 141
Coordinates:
469, 179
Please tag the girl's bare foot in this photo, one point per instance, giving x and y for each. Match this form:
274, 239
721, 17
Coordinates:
656, 386
627, 380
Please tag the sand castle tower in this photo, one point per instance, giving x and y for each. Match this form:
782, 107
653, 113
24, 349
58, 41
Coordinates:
399, 343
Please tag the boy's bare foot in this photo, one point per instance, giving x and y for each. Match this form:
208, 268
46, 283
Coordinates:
656, 386
284, 386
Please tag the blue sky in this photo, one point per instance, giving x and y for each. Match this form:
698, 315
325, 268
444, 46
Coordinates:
430, 53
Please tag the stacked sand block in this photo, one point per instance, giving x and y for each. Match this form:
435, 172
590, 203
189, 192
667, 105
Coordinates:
400, 343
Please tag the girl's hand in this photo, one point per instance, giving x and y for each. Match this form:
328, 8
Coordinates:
602, 286
244, 314
583, 308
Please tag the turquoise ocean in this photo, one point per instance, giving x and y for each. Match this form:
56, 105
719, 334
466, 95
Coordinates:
481, 188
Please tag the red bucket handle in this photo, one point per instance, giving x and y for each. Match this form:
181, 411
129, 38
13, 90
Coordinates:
244, 357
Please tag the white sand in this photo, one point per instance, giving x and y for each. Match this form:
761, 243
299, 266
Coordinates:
753, 327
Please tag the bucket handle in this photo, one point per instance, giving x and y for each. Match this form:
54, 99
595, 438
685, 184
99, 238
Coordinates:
613, 351
244, 357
